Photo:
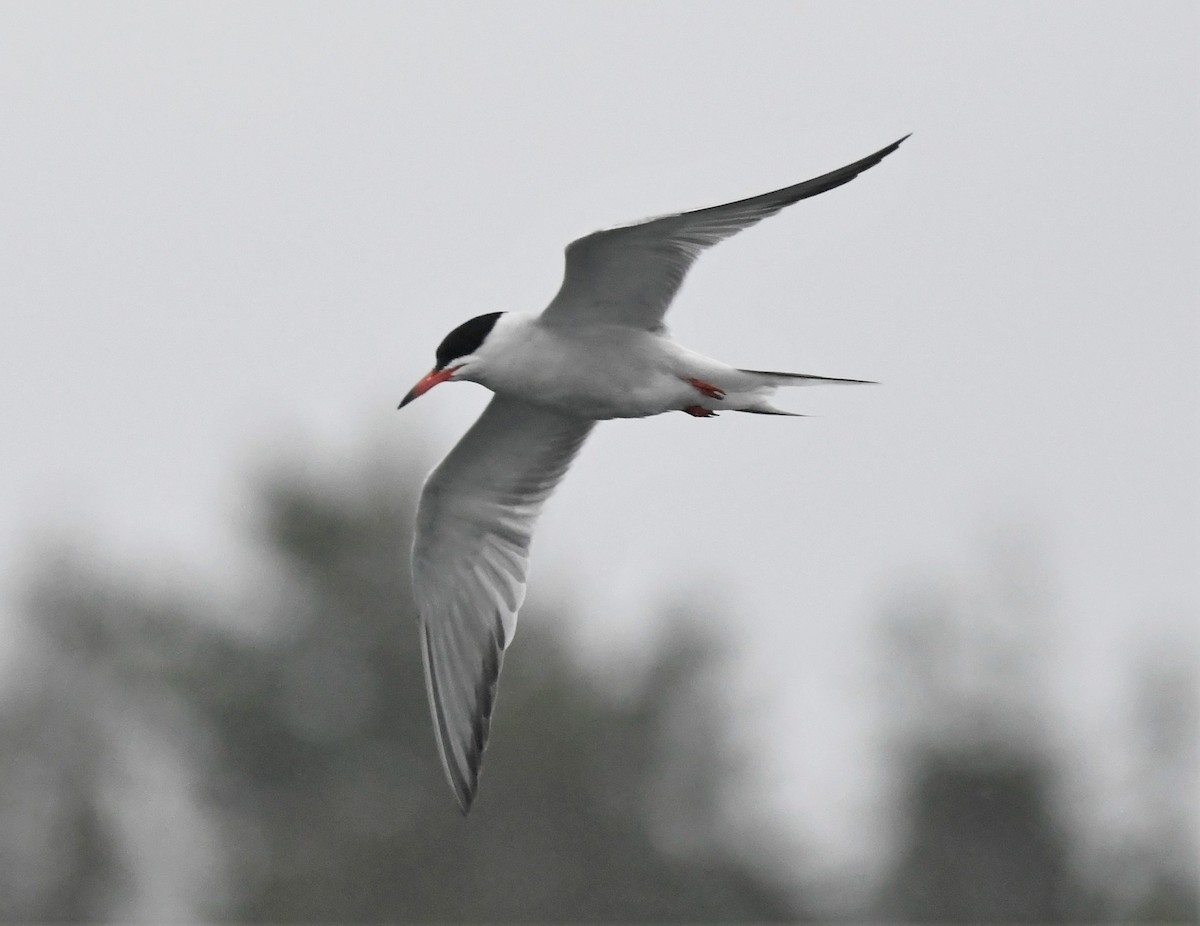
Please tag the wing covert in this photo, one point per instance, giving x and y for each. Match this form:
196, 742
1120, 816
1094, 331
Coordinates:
470, 555
628, 275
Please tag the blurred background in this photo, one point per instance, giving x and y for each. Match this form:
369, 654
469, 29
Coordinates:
929, 655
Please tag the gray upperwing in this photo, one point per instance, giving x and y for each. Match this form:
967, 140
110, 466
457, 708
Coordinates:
628, 275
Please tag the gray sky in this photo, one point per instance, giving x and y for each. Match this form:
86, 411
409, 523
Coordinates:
231, 231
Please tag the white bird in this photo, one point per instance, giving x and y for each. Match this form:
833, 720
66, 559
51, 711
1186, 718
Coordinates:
598, 351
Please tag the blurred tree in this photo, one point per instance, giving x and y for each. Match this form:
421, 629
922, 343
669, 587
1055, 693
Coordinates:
981, 843
978, 837
294, 769
160, 760
1156, 878
49, 809
93, 749
980, 833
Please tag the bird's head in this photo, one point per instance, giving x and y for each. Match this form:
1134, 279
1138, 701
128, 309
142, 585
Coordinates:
457, 354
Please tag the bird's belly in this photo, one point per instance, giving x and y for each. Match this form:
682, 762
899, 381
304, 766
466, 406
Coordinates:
615, 399
596, 380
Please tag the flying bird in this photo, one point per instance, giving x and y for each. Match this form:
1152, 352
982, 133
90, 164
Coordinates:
599, 350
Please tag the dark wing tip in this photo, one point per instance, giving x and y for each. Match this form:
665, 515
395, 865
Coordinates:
850, 171
836, 178
464, 776
464, 791
884, 152
769, 203
464, 779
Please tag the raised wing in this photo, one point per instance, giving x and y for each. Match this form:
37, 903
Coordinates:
628, 275
470, 556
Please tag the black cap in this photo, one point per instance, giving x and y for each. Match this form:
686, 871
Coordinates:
465, 339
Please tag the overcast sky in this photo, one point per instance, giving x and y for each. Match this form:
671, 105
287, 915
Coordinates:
234, 231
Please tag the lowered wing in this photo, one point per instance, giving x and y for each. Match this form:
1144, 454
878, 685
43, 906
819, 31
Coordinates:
470, 556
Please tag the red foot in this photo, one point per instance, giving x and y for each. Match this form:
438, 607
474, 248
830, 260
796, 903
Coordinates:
705, 388
699, 411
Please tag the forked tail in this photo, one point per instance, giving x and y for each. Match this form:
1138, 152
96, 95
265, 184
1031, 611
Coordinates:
756, 400
803, 379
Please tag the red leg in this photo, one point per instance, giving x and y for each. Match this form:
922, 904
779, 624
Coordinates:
706, 389
699, 411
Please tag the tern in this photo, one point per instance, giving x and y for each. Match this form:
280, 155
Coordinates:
598, 351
